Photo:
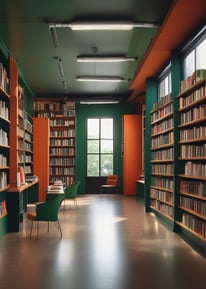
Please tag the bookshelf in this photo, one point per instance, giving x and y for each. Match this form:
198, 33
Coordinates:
62, 149
162, 158
4, 129
62, 152
192, 193
4, 146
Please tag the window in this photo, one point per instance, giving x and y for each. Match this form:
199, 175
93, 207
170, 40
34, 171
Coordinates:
99, 146
194, 56
164, 84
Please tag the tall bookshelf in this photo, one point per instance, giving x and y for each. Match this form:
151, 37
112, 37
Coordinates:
162, 158
175, 155
4, 145
22, 135
192, 193
62, 152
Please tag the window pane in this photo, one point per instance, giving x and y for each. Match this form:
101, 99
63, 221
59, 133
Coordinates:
93, 128
107, 128
92, 165
93, 146
201, 55
106, 146
189, 64
107, 164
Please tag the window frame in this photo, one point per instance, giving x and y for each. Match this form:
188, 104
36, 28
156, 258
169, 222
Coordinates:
191, 47
99, 152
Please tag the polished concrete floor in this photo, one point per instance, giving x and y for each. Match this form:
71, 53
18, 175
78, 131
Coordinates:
108, 243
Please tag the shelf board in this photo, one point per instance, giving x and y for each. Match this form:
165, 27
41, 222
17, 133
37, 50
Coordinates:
191, 231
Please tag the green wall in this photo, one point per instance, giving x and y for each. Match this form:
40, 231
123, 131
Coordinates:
99, 110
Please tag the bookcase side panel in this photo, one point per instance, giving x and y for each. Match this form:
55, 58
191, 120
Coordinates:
151, 98
41, 154
13, 119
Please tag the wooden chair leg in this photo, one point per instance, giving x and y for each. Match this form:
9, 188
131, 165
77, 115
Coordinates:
31, 229
37, 235
59, 227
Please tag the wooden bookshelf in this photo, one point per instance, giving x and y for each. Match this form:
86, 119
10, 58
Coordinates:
162, 158
192, 196
4, 146
62, 149
62, 146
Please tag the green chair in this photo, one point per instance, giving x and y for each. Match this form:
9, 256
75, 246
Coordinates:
70, 193
46, 212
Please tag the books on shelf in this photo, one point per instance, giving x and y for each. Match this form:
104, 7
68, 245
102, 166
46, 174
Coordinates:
4, 81
3, 137
193, 187
3, 209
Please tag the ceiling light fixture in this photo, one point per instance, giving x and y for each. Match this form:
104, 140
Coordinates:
100, 79
61, 71
102, 25
105, 59
54, 36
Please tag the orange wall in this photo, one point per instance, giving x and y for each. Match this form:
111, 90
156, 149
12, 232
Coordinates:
41, 154
132, 158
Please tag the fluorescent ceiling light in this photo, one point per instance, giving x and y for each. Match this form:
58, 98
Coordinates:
102, 25
61, 71
99, 102
104, 59
54, 36
100, 79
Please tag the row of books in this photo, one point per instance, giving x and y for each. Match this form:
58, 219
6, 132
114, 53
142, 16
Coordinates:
4, 110
193, 187
195, 169
198, 75
28, 126
28, 158
3, 179
164, 183
196, 205
62, 142
66, 180
164, 154
164, 125
163, 101
27, 146
196, 225
193, 97
193, 133
3, 161
161, 195
62, 161
61, 122
193, 114
4, 80
3, 137
163, 169
66, 151
62, 171
62, 133
163, 139
193, 151
160, 113
28, 137
162, 207
27, 169
57, 107
3, 209
50, 114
